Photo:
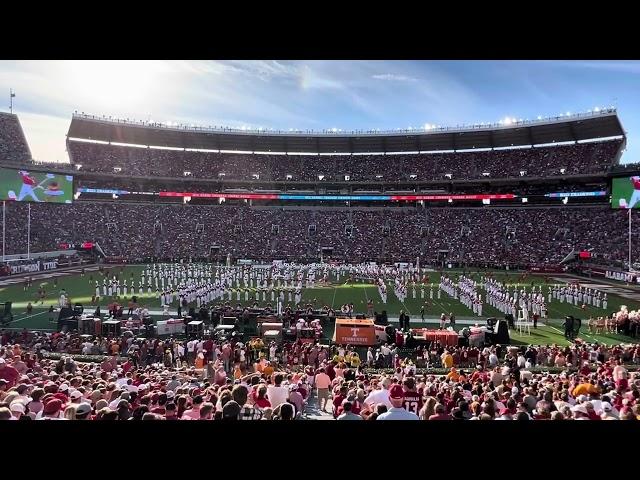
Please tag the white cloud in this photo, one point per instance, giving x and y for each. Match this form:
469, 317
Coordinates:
390, 77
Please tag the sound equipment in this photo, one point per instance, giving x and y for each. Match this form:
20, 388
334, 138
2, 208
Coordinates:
5, 314
111, 327
195, 328
501, 333
510, 320
289, 334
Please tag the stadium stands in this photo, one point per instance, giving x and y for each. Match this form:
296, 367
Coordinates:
13, 144
585, 158
489, 236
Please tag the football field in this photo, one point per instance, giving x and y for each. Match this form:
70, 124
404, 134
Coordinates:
335, 294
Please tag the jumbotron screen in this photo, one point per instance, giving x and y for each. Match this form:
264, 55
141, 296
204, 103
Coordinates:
28, 186
625, 192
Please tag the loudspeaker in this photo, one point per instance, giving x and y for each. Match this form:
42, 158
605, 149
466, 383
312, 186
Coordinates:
510, 320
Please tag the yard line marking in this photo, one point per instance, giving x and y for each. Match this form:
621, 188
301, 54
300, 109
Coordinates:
24, 318
556, 329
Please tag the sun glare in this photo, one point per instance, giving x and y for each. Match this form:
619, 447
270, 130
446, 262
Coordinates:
113, 83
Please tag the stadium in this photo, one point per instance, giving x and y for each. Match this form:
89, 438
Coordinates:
303, 268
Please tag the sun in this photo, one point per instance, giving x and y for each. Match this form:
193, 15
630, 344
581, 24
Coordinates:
112, 83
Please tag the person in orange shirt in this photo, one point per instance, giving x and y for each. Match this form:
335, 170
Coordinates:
584, 389
453, 375
268, 369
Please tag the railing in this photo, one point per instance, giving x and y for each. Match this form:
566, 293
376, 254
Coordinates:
339, 132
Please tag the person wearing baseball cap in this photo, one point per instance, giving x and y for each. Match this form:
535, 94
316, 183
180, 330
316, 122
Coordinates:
607, 412
83, 411
397, 412
52, 409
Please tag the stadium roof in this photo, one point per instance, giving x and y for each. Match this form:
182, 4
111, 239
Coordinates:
584, 126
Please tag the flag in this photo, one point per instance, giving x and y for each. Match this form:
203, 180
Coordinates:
13, 94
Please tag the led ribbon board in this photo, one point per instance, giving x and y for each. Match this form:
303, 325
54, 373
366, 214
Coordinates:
600, 193
368, 198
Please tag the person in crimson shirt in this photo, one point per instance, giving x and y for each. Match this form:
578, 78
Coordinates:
480, 375
338, 399
635, 196
8, 373
208, 347
330, 370
27, 186
412, 398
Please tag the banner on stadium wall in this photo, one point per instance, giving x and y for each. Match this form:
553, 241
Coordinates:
618, 275
34, 267
115, 260
622, 276
25, 268
244, 261
546, 268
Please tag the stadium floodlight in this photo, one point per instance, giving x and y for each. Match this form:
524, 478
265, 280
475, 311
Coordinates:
525, 199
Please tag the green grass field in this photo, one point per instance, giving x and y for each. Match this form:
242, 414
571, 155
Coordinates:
80, 289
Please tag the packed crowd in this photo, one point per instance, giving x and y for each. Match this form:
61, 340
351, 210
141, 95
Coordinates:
200, 379
13, 144
594, 157
495, 236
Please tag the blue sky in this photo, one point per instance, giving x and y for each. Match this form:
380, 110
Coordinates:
314, 94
